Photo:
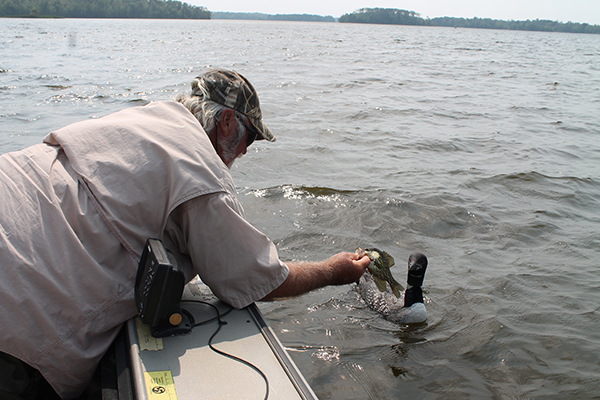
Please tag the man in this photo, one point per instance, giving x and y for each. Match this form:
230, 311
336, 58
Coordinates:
77, 209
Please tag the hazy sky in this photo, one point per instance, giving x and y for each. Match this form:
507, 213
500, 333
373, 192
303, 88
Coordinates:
555, 10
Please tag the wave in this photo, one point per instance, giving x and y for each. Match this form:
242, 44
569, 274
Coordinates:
534, 181
300, 191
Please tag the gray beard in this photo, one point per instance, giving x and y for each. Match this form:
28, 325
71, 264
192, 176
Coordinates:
231, 163
229, 148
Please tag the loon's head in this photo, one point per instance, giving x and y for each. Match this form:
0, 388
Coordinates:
417, 265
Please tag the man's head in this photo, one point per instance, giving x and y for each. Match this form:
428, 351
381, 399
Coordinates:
217, 96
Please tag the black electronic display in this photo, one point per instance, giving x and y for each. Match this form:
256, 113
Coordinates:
158, 288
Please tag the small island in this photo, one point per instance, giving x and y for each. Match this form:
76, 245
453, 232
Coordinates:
396, 16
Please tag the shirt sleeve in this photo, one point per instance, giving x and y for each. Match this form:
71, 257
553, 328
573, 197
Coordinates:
239, 263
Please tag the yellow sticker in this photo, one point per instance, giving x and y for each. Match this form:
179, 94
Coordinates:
160, 385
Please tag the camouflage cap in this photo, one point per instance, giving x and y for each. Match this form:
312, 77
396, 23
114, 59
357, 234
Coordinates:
232, 90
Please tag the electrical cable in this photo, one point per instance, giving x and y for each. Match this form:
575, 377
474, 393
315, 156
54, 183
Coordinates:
221, 323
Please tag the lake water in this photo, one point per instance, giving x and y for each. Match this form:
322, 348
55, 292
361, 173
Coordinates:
479, 148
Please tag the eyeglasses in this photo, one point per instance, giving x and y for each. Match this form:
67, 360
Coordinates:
251, 135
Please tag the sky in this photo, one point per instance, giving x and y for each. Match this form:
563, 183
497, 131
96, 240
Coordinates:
555, 10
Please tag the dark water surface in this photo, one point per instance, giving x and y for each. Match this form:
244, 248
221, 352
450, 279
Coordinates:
478, 148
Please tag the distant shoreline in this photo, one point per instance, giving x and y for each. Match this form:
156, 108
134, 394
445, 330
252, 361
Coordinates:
32, 16
272, 17
159, 9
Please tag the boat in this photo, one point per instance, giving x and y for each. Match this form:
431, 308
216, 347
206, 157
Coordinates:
228, 353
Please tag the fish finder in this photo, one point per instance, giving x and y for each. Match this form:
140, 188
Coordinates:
158, 289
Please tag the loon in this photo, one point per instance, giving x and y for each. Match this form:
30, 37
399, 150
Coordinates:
409, 308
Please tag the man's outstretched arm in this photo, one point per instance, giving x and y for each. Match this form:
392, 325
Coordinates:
340, 269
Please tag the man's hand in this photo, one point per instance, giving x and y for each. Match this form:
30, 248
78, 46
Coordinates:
340, 269
346, 267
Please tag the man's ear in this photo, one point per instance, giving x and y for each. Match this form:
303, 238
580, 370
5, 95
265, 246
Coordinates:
227, 124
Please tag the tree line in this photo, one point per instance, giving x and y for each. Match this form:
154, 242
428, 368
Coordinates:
404, 17
392, 16
173, 9
169, 9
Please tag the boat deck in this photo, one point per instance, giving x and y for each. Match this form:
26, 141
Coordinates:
185, 367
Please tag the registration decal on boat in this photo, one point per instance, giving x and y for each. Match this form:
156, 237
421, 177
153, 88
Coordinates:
159, 385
